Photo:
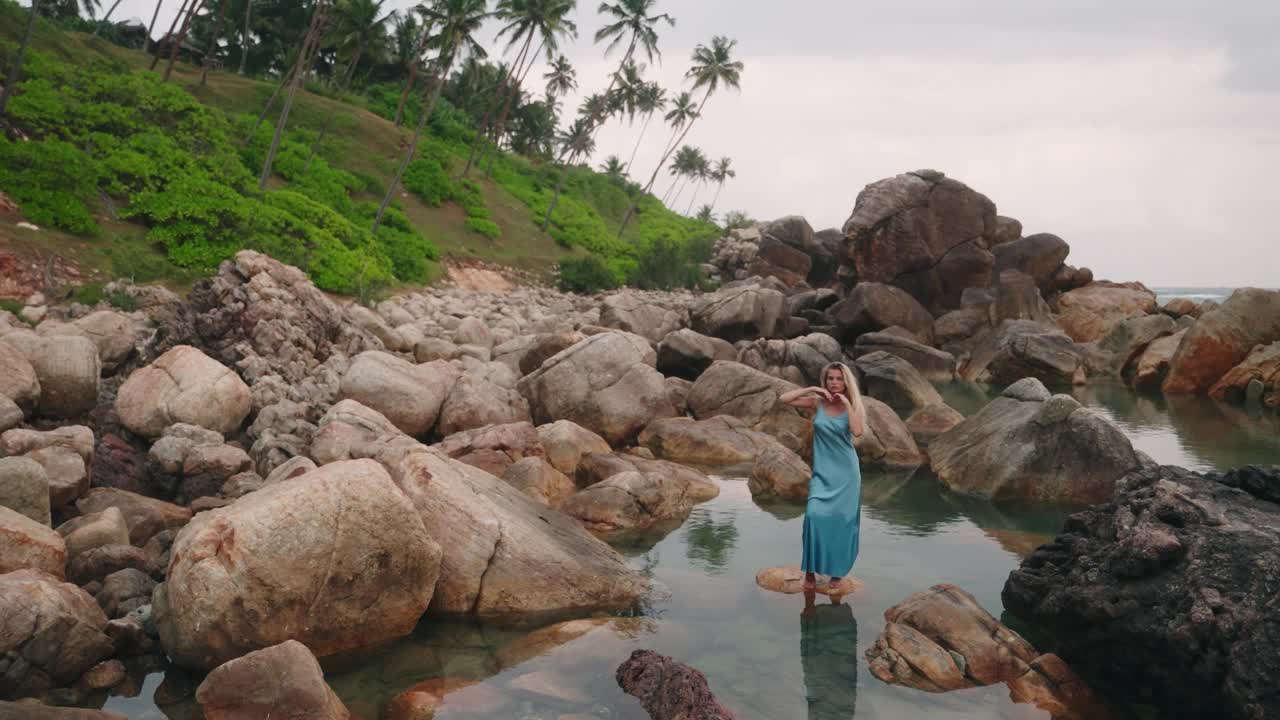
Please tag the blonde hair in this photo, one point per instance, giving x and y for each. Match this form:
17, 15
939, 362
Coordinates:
850, 389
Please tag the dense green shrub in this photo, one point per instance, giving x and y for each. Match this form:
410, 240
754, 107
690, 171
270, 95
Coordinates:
586, 275
51, 181
425, 178
487, 228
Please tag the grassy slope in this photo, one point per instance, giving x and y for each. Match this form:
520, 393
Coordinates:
358, 141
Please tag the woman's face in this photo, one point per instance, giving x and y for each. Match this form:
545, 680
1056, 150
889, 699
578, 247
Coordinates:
835, 381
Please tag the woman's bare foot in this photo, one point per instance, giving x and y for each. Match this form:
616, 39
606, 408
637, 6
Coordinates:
809, 582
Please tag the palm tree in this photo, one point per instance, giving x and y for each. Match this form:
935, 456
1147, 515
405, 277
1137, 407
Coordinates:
713, 67
683, 111
70, 9
561, 78
362, 24
681, 166
213, 41
244, 35
15, 73
549, 20
650, 98
417, 58
458, 21
577, 142
631, 19
706, 214
701, 173
612, 167
176, 43
172, 27
721, 173
309, 43
627, 95
146, 43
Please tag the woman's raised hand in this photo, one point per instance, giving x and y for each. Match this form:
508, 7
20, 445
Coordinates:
821, 392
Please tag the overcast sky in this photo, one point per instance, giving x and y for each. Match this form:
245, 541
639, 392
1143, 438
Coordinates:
1144, 132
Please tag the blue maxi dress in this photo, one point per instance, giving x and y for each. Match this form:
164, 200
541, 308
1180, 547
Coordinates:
834, 510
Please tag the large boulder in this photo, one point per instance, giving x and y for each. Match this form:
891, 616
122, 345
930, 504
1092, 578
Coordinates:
282, 682
779, 473
799, 360
777, 259
65, 453
1166, 591
685, 353
1125, 342
630, 312
886, 441
68, 370
941, 639
923, 232
146, 517
718, 441
409, 395
336, 559
27, 544
538, 479
1050, 449
493, 448
1261, 367
268, 320
1091, 312
10, 414
631, 500
1040, 256
606, 383
475, 402
1223, 338
542, 347
933, 364
24, 488
183, 385
509, 556
895, 382
873, 306
1024, 348
18, 380
731, 388
1015, 296
50, 633
566, 442
113, 333
738, 313
1153, 364
669, 689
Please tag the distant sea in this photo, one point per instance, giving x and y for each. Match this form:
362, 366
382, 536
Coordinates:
1198, 294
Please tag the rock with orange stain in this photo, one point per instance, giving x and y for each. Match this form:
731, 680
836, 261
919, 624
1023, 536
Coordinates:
1222, 338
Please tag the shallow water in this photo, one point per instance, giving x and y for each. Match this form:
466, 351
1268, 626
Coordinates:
764, 654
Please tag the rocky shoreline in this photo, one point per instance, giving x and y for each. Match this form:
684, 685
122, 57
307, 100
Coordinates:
258, 476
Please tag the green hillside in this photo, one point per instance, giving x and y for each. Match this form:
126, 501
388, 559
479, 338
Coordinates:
130, 176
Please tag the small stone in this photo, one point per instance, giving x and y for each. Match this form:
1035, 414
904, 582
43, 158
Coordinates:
103, 676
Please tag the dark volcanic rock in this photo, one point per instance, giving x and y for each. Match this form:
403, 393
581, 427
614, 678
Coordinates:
1168, 592
669, 689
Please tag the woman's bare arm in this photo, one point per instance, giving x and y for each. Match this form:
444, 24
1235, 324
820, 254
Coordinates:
803, 397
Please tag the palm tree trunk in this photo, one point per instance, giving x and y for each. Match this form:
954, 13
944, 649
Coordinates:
172, 27
591, 127
716, 198
643, 128
213, 42
308, 42
483, 127
696, 189
244, 36
15, 73
413, 72
146, 42
665, 156
328, 118
106, 17
501, 125
182, 37
413, 146
272, 101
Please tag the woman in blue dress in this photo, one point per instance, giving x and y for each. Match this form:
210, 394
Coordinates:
832, 514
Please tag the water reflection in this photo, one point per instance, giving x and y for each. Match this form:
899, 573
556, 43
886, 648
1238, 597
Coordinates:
709, 542
829, 659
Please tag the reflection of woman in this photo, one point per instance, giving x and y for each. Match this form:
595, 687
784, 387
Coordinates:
834, 508
829, 657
